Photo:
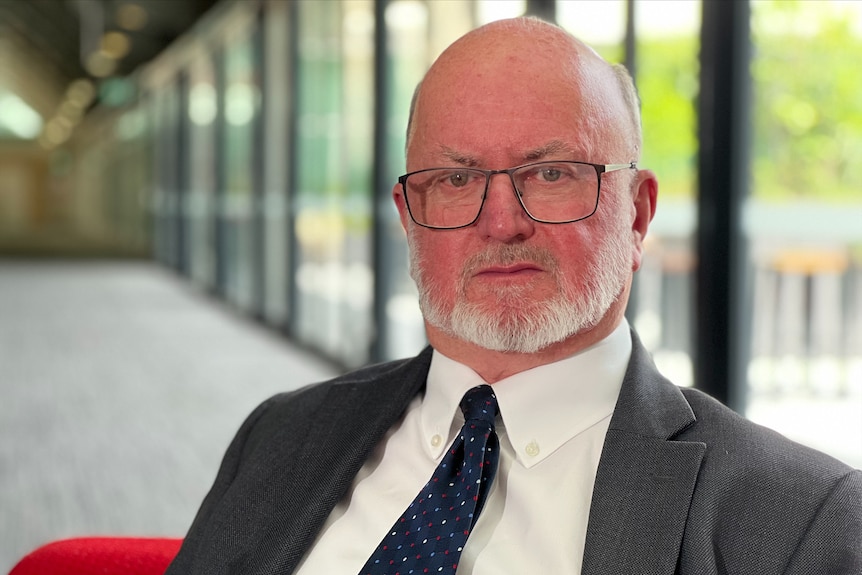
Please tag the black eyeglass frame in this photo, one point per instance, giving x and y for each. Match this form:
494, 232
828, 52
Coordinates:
599, 168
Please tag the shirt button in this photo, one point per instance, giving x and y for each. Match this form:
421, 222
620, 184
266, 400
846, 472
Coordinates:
436, 440
532, 449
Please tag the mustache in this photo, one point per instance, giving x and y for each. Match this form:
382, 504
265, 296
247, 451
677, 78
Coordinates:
507, 254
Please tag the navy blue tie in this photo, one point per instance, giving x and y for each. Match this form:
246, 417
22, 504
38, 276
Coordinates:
430, 535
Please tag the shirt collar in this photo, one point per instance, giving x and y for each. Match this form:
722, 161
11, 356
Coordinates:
542, 408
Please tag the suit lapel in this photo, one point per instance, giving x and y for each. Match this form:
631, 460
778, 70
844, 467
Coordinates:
645, 479
322, 470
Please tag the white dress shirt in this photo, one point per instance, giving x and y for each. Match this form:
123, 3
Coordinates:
552, 425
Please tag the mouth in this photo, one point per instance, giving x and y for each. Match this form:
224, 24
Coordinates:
505, 265
509, 271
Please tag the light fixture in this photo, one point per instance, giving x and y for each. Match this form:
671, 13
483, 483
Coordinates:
80, 93
17, 117
131, 17
115, 45
100, 65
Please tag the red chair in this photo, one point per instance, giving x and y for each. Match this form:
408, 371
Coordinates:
100, 556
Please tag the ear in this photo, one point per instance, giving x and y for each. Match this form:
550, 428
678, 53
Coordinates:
401, 204
645, 195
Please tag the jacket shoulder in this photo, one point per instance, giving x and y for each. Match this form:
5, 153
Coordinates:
366, 375
737, 441
752, 482
287, 413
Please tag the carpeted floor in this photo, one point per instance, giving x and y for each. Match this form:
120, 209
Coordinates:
120, 388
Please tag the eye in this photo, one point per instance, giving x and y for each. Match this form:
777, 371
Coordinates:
458, 179
550, 174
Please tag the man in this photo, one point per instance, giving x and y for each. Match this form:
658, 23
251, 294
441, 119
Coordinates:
525, 217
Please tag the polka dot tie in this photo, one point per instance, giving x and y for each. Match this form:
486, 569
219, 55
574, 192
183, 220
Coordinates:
429, 536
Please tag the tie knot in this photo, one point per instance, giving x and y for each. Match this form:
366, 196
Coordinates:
480, 403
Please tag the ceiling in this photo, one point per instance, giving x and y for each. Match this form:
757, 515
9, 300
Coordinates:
45, 45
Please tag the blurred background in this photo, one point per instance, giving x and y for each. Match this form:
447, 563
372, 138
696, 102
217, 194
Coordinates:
195, 213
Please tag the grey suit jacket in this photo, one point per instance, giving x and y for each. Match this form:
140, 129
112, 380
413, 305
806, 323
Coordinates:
684, 485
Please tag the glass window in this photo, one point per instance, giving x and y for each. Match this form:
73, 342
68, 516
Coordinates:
402, 330
667, 46
490, 10
334, 278
241, 108
201, 115
666, 70
166, 208
276, 136
599, 23
416, 33
803, 223
131, 179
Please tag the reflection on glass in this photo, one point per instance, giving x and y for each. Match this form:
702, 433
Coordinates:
237, 205
333, 200
276, 149
166, 206
403, 331
200, 198
129, 174
202, 102
17, 117
240, 104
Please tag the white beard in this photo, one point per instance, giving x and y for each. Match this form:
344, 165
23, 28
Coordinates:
514, 321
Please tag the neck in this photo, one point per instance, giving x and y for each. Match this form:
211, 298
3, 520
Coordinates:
492, 366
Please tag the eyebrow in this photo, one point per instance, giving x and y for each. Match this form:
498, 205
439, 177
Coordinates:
551, 148
459, 158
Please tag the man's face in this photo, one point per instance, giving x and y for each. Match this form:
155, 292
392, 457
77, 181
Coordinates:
506, 282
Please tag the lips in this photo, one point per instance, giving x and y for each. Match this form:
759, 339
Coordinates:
510, 270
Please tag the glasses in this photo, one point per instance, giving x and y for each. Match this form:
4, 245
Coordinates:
550, 192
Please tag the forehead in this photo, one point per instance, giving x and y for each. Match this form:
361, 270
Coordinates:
501, 103
508, 127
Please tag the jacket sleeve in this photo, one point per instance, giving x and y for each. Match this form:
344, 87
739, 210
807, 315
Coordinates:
832, 544
185, 559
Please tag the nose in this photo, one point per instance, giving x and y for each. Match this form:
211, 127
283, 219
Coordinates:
503, 217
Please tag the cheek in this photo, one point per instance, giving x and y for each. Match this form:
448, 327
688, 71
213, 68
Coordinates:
437, 255
589, 245
575, 247
615, 225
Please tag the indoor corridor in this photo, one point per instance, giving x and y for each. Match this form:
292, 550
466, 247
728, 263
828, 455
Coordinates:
121, 388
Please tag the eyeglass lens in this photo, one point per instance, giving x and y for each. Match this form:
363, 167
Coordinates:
552, 192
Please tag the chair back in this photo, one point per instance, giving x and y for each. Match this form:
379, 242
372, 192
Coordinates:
100, 556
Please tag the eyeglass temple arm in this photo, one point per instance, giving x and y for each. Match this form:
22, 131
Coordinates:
615, 167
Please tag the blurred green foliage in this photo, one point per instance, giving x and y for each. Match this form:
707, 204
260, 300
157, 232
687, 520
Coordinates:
807, 117
806, 105
667, 77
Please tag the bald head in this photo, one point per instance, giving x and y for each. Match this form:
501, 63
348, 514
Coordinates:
506, 58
